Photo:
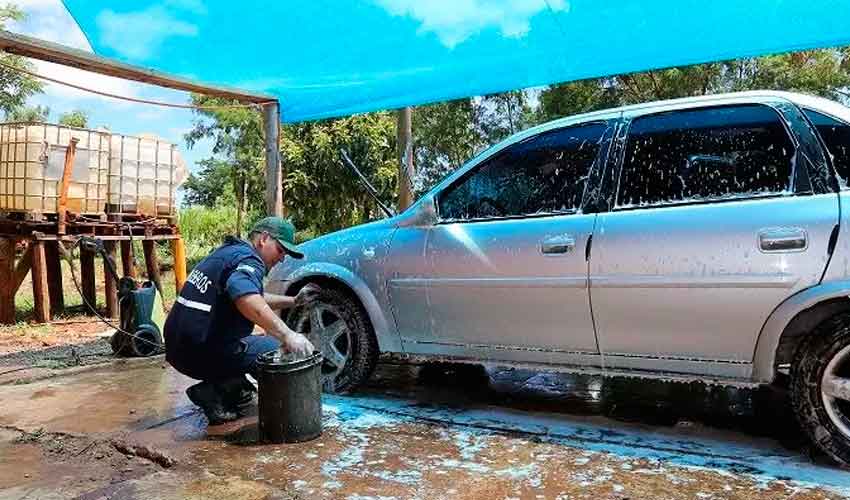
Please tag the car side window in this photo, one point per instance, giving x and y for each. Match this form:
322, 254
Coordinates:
836, 136
705, 154
543, 174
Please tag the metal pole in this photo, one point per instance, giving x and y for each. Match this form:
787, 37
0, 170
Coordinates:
404, 132
274, 187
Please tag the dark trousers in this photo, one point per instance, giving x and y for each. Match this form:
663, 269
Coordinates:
217, 363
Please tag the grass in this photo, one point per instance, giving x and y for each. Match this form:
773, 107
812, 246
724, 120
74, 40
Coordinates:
204, 229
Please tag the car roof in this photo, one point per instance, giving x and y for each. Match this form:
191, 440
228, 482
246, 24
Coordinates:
686, 102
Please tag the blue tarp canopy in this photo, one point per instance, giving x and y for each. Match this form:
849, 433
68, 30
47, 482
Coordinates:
327, 58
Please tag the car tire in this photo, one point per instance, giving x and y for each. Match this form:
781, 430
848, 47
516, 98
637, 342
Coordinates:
821, 360
357, 343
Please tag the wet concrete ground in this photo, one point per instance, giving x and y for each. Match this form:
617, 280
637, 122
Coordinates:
414, 432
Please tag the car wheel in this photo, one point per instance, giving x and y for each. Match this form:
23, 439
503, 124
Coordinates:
820, 387
338, 325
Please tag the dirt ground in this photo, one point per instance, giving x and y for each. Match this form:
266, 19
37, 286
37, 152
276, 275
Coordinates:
28, 337
74, 326
127, 431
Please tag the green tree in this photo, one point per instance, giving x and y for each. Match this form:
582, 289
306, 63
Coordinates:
824, 72
25, 113
76, 118
237, 135
447, 134
575, 97
444, 137
319, 192
211, 185
501, 115
15, 87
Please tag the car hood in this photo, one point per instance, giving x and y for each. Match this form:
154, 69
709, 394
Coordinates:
349, 248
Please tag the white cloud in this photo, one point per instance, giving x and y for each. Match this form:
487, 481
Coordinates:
453, 21
48, 20
139, 35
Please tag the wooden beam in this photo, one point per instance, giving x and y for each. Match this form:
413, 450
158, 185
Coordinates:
22, 269
21, 45
88, 278
106, 237
274, 185
127, 265
404, 129
7, 268
54, 277
152, 264
41, 296
111, 283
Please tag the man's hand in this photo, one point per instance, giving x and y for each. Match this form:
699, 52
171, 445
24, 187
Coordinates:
307, 295
296, 343
256, 310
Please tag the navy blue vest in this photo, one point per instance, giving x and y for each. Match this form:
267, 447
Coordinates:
204, 314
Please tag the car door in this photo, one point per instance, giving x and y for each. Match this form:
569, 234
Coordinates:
716, 222
507, 274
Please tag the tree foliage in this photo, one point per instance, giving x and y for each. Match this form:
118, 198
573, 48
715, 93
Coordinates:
824, 72
319, 192
15, 87
76, 118
25, 113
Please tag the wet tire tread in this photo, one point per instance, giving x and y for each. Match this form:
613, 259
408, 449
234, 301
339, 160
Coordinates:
364, 355
809, 363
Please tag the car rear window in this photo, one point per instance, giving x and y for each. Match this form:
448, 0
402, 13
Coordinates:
836, 136
705, 154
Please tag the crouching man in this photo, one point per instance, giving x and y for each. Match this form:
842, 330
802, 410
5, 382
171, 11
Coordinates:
208, 333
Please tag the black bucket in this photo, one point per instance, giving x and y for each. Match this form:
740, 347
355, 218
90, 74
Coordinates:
290, 398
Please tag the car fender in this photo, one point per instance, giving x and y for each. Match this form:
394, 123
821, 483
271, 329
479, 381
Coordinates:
764, 357
388, 340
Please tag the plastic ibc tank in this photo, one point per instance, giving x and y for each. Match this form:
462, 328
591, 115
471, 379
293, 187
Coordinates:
144, 173
32, 160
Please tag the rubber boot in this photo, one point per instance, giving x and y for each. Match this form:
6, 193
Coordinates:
205, 395
238, 394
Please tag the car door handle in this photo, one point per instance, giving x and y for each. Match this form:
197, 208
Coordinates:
782, 239
558, 245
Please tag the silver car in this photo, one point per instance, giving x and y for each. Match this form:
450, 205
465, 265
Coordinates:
704, 239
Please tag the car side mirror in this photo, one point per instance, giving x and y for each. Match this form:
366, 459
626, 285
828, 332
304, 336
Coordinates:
422, 213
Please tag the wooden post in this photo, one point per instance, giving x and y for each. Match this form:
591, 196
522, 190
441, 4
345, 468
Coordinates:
87, 277
127, 267
54, 277
7, 292
41, 295
274, 186
111, 283
178, 250
404, 129
62, 209
151, 263
240, 201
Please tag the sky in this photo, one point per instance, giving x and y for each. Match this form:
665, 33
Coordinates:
49, 20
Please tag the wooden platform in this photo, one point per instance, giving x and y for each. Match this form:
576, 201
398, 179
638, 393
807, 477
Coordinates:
43, 243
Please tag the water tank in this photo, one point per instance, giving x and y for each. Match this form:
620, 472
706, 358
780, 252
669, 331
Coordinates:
112, 173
